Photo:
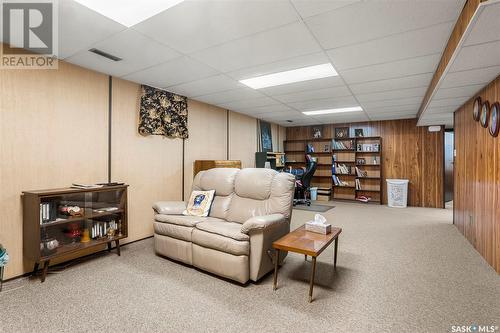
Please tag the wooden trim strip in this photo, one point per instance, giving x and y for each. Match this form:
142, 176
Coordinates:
454, 42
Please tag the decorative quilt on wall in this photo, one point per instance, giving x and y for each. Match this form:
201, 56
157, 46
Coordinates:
163, 113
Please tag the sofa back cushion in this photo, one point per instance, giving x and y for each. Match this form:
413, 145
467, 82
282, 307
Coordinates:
261, 192
222, 181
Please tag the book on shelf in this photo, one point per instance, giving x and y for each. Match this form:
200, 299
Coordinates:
368, 147
361, 173
85, 186
342, 145
341, 168
338, 182
358, 184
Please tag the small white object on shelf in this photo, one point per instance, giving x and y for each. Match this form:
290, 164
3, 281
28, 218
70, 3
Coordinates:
319, 225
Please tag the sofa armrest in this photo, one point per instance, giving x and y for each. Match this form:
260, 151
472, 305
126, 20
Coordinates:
169, 207
262, 222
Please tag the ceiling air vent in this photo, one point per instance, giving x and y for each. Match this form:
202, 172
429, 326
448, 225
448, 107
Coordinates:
105, 55
289, 121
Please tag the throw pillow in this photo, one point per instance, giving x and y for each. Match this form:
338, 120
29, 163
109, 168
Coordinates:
199, 203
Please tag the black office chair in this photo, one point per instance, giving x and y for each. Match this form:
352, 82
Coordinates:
303, 183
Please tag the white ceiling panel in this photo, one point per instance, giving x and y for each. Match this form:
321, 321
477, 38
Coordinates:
136, 51
475, 76
441, 109
80, 27
334, 81
391, 117
419, 65
390, 95
280, 66
205, 86
392, 102
307, 8
410, 44
465, 91
230, 96
375, 19
407, 109
249, 103
342, 117
194, 25
332, 92
455, 101
477, 56
176, 71
277, 109
412, 81
327, 103
487, 27
278, 44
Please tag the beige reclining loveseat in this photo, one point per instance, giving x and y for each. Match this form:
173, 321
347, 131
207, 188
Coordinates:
251, 209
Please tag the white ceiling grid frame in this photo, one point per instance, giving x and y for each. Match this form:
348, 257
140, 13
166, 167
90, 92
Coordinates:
488, 71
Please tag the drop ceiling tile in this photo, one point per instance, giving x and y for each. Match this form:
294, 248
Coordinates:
277, 109
249, 103
369, 20
230, 96
307, 8
80, 27
342, 117
412, 81
334, 81
176, 71
407, 45
477, 56
470, 77
401, 68
392, 102
278, 44
407, 109
280, 66
205, 86
194, 25
487, 26
136, 51
394, 94
340, 91
327, 103
465, 91
391, 117
448, 102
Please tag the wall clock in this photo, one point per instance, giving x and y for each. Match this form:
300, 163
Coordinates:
485, 113
476, 109
494, 119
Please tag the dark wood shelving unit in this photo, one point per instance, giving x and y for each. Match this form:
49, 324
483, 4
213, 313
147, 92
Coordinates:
50, 233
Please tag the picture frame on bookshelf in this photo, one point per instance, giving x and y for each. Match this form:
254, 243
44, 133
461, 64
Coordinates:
341, 132
317, 132
494, 122
358, 132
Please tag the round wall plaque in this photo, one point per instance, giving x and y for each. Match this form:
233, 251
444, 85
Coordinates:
476, 109
485, 113
494, 119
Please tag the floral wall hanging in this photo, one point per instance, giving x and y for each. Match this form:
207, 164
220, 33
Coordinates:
163, 113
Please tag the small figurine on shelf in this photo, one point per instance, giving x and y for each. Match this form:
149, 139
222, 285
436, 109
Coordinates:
71, 210
73, 232
111, 233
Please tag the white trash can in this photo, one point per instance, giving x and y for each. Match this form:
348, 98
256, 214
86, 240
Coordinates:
397, 193
314, 193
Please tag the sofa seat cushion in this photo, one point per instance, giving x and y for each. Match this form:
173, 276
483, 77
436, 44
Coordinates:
183, 220
220, 243
223, 228
173, 230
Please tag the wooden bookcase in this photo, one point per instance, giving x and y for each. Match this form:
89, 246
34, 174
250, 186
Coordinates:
371, 184
50, 231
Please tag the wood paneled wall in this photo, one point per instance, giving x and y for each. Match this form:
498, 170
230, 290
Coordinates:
54, 131
477, 180
408, 152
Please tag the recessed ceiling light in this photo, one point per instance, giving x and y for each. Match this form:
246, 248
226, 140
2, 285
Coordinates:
292, 76
129, 12
328, 111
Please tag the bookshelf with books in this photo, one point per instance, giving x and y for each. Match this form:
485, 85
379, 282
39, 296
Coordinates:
356, 168
66, 221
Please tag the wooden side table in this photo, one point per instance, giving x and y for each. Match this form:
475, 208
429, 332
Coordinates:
309, 244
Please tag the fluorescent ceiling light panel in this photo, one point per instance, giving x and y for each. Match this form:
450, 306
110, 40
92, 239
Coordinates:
339, 110
129, 12
295, 75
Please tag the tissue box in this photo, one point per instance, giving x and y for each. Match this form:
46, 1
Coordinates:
319, 228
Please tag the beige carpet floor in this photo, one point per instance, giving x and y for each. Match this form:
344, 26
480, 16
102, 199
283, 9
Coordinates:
399, 270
